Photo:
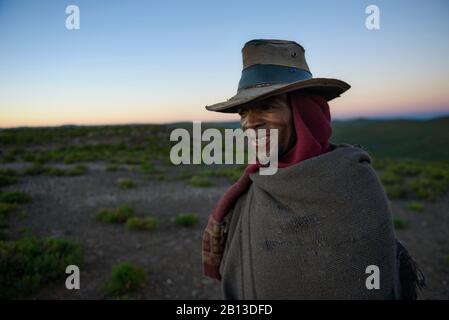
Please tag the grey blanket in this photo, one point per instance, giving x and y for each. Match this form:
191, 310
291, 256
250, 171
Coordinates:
310, 231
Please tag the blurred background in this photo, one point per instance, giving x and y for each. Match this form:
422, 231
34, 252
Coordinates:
85, 118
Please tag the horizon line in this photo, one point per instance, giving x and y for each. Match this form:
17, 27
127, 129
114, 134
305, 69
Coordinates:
427, 116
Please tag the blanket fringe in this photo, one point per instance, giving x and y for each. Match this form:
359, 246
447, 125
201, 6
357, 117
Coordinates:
411, 276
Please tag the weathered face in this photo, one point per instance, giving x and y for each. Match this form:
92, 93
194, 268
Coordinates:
271, 113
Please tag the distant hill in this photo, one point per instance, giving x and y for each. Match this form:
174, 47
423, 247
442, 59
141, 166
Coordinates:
400, 138
414, 139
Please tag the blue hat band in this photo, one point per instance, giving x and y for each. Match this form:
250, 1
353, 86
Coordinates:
271, 74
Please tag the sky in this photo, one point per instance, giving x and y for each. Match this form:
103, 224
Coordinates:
163, 61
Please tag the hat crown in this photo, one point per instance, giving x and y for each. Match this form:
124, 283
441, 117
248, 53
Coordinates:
272, 67
274, 52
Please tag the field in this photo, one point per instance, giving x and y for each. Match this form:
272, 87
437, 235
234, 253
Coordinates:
108, 199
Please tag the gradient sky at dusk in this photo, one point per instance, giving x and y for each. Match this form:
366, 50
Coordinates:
163, 61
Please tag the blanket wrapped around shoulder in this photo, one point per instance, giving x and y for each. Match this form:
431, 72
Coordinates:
311, 230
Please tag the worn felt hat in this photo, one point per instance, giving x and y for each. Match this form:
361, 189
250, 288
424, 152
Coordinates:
272, 67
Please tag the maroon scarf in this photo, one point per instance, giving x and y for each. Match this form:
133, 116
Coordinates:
312, 121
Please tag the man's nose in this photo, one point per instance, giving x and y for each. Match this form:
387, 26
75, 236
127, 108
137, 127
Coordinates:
253, 120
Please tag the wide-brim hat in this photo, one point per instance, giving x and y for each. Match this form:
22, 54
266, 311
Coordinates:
272, 67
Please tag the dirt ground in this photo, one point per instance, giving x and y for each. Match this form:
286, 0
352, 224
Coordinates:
171, 255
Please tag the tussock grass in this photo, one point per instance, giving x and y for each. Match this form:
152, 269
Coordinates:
125, 278
399, 223
118, 215
29, 263
7, 177
415, 206
186, 220
415, 179
199, 181
135, 223
125, 183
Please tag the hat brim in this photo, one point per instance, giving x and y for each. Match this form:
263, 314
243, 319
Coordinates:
325, 87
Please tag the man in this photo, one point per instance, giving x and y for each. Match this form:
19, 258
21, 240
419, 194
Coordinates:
321, 227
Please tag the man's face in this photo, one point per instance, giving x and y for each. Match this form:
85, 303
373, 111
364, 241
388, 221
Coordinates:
271, 113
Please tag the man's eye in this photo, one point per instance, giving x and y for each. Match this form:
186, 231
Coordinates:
242, 112
267, 107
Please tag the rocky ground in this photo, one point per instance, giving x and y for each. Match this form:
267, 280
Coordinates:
171, 255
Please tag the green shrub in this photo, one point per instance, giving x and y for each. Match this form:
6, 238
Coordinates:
7, 177
437, 173
28, 156
199, 181
39, 155
390, 178
7, 180
14, 197
106, 215
135, 223
8, 158
125, 183
73, 171
118, 215
7, 205
406, 169
184, 175
380, 164
415, 179
125, 278
77, 170
415, 206
396, 191
159, 176
75, 157
186, 220
147, 168
7, 172
132, 160
56, 172
428, 189
113, 167
233, 173
29, 263
41, 158
5, 210
399, 223
35, 169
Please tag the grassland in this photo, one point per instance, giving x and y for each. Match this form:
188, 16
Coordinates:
108, 198
399, 139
